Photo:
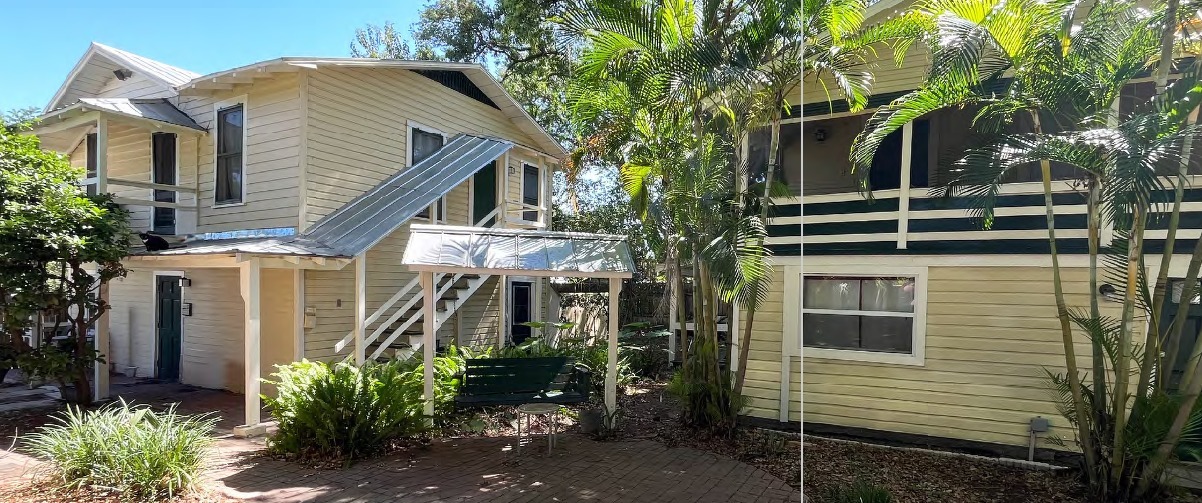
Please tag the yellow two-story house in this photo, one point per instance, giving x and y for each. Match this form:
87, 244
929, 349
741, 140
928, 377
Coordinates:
285, 189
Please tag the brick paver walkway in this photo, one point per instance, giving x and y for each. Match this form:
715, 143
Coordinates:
471, 470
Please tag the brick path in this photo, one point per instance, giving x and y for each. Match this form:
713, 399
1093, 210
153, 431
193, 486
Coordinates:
472, 470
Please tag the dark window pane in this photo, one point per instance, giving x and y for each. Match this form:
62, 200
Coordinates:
163, 156
887, 334
530, 190
229, 156
836, 331
424, 145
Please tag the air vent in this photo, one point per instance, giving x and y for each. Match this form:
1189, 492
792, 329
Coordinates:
458, 82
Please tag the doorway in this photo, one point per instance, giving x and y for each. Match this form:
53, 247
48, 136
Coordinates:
521, 294
168, 326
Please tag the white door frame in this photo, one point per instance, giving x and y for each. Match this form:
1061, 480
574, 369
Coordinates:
509, 303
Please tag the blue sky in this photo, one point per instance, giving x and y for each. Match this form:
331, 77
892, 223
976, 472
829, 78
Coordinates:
47, 37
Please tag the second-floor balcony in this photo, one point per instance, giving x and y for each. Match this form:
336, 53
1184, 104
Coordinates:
905, 216
131, 148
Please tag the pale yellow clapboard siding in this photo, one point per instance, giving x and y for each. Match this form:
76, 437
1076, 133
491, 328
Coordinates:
273, 139
357, 129
762, 385
278, 335
984, 374
132, 323
213, 336
136, 87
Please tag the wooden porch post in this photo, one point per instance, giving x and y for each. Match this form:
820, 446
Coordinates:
611, 367
250, 296
102, 149
428, 342
360, 308
102, 346
503, 311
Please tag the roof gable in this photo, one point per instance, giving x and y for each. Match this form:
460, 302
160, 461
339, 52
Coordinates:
95, 70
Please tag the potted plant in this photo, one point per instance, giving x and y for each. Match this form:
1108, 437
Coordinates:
592, 415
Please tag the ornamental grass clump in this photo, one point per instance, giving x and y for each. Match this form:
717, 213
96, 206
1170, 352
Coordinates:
141, 454
344, 412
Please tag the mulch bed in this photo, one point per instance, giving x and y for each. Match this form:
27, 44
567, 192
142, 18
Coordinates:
915, 476
47, 493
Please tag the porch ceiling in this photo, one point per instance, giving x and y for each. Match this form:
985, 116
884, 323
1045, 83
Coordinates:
441, 248
60, 129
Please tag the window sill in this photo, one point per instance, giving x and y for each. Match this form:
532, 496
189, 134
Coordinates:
228, 205
864, 356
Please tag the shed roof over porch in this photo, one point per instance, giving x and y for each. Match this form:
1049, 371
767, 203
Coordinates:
441, 248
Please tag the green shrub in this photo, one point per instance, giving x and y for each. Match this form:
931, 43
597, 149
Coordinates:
706, 392
142, 454
446, 380
859, 492
342, 411
647, 353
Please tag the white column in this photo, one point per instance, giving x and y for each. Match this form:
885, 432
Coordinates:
503, 311
250, 297
903, 197
428, 342
102, 153
102, 346
611, 367
360, 307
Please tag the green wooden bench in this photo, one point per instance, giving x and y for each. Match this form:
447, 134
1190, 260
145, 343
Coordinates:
516, 381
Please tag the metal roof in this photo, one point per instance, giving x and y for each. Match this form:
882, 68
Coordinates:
154, 109
525, 252
95, 69
361, 223
296, 246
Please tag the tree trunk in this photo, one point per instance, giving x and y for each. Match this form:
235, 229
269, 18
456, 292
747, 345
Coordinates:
1123, 365
1188, 290
1066, 329
1165, 450
1095, 311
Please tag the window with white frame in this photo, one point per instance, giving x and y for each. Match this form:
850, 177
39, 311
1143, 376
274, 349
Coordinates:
424, 142
532, 183
229, 169
875, 314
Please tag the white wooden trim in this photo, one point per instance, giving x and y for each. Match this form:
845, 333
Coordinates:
536, 273
102, 155
791, 338
217, 107
503, 191
103, 346
251, 287
298, 289
84, 119
540, 208
360, 347
917, 355
903, 197
303, 163
502, 311
154, 321
611, 365
428, 341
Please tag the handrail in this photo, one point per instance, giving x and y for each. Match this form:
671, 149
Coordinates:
149, 185
408, 323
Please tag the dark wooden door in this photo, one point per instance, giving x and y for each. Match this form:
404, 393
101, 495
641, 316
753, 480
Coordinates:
522, 293
163, 147
169, 324
484, 194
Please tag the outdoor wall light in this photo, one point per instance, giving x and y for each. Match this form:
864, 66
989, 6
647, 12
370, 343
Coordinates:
185, 282
820, 135
1109, 292
122, 73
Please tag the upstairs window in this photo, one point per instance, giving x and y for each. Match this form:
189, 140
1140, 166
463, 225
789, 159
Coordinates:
422, 144
531, 181
90, 146
230, 176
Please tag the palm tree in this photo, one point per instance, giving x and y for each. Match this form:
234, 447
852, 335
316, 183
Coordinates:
1062, 62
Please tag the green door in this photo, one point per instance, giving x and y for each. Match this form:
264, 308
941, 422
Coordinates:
484, 194
168, 321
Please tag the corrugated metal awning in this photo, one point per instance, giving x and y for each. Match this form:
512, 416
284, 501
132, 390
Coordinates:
441, 248
367, 219
158, 111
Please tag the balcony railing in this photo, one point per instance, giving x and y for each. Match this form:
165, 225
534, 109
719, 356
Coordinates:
914, 222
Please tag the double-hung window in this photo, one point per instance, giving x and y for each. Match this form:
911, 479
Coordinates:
860, 317
92, 159
230, 171
531, 183
423, 144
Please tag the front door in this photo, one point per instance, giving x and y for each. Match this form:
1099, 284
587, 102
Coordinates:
484, 194
169, 325
522, 293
